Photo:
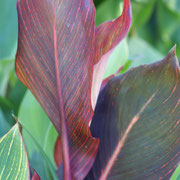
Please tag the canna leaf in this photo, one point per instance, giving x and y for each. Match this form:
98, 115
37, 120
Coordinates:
107, 36
137, 120
13, 158
55, 59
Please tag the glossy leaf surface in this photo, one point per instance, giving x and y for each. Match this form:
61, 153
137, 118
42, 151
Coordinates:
137, 120
55, 59
13, 157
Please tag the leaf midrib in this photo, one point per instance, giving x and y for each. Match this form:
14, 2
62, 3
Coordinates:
61, 110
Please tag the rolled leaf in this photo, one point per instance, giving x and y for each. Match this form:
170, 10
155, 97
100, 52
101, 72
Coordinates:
13, 157
137, 120
107, 36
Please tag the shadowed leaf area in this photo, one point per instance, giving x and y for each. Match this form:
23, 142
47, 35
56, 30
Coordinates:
137, 120
13, 157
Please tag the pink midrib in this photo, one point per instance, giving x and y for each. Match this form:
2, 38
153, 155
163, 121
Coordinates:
62, 116
122, 141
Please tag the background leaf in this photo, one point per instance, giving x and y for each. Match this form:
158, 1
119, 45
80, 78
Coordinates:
33, 118
8, 29
140, 52
5, 126
118, 58
6, 66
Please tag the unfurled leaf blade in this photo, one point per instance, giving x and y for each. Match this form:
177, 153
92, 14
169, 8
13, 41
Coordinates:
55, 61
137, 120
13, 157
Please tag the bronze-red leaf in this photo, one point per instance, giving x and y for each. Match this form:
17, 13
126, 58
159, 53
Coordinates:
55, 60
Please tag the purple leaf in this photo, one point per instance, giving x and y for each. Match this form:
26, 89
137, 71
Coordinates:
137, 120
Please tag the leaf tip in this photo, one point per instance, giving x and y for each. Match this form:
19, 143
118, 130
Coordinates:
173, 57
18, 123
173, 50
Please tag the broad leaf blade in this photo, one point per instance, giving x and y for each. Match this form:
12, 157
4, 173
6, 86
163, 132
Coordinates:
54, 60
13, 157
137, 120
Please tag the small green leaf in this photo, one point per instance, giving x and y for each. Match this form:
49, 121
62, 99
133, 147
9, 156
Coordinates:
13, 157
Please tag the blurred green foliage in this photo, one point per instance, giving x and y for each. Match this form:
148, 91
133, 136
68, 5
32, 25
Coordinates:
155, 30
